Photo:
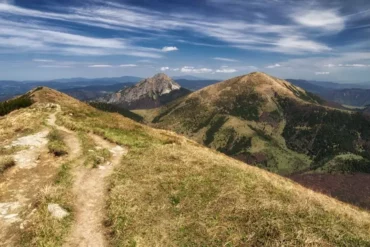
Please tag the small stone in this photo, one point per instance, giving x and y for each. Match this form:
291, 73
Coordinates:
101, 168
57, 211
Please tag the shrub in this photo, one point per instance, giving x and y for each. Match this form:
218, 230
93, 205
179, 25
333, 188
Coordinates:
56, 144
14, 104
5, 163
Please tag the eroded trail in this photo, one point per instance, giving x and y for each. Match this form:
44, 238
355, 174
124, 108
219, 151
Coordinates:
89, 189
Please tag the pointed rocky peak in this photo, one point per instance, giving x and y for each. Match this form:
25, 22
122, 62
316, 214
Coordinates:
158, 84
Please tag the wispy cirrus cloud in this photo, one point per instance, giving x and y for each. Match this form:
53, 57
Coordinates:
127, 65
224, 59
239, 34
100, 66
43, 60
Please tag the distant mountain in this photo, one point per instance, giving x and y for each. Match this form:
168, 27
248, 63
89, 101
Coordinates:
333, 85
334, 92
148, 93
195, 85
188, 77
91, 93
271, 123
352, 97
103, 80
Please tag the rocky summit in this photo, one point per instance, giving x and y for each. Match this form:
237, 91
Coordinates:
148, 93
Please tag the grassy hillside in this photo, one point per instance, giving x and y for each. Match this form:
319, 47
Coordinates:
267, 122
171, 191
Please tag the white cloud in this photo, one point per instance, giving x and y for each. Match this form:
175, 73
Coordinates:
299, 44
190, 69
225, 70
276, 65
169, 48
100, 66
323, 19
322, 73
43, 60
165, 68
55, 66
128, 65
240, 34
355, 65
225, 59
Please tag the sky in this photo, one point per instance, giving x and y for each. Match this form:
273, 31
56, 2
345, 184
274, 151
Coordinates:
306, 39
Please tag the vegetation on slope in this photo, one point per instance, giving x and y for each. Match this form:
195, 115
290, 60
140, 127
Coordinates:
114, 108
56, 144
324, 133
14, 104
171, 191
269, 123
93, 156
5, 163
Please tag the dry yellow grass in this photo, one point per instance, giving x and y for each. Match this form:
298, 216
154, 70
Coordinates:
171, 191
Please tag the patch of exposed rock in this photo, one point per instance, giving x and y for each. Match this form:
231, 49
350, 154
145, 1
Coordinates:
149, 93
57, 211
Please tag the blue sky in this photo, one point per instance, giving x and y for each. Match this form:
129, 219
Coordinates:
306, 39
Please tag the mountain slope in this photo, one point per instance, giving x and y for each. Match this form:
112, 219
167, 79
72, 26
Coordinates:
149, 93
167, 191
346, 94
268, 122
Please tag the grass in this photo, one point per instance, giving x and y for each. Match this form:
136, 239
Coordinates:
56, 144
5, 163
170, 191
43, 229
93, 156
208, 199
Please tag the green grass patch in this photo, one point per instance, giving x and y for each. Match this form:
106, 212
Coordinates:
94, 155
56, 144
113, 108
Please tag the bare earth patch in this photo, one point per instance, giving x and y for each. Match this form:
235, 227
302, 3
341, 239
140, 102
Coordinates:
89, 189
28, 158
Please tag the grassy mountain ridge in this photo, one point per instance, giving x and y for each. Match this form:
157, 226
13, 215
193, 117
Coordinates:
267, 122
171, 191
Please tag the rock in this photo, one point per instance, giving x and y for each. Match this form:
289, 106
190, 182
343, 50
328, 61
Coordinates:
57, 211
148, 93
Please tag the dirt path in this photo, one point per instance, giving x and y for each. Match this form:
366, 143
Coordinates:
90, 188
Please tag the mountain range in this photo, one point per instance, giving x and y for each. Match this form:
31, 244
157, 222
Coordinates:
275, 125
102, 178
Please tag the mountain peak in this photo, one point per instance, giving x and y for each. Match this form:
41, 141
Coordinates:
149, 93
161, 76
159, 84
